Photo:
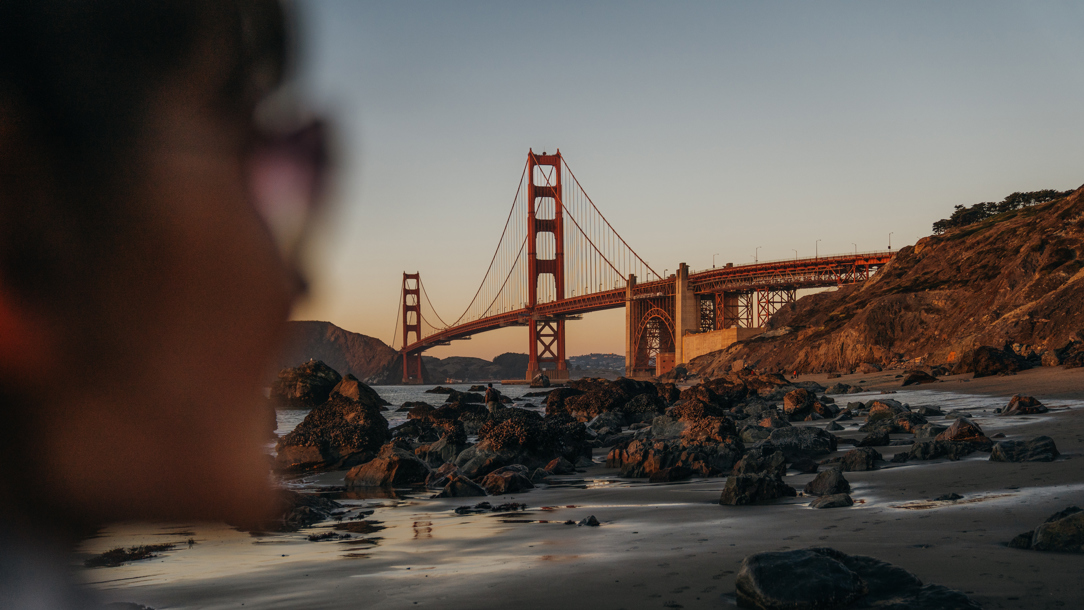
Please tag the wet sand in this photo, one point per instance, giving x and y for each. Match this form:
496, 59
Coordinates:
659, 545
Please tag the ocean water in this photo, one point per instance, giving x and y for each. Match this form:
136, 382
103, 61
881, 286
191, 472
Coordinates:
399, 394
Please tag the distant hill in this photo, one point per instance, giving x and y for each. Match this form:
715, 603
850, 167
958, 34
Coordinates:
505, 366
367, 358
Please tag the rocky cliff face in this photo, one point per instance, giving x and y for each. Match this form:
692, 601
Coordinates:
367, 358
1013, 279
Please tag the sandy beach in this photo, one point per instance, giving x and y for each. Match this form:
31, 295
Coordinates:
659, 545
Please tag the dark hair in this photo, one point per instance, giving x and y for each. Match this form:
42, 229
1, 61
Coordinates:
75, 81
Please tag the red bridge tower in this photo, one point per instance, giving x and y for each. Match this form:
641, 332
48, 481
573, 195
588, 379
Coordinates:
545, 215
412, 323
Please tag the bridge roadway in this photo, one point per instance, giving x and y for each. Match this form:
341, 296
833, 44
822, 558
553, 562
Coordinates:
782, 275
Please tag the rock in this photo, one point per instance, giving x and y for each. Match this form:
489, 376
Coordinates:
832, 501
644, 457
797, 580
459, 486
805, 465
665, 426
694, 409
918, 377
868, 367
440, 390
560, 466
816, 578
304, 387
1063, 532
862, 458
754, 434
540, 475
929, 450
667, 475
541, 380
929, 412
392, 467
350, 387
804, 441
884, 409
985, 361
745, 489
842, 388
964, 430
293, 511
833, 427
908, 422
928, 431
590, 521
876, 439
1050, 358
828, 482
609, 419
668, 392
1024, 405
643, 408
507, 480
762, 459
340, 433
1038, 449
555, 400
834, 375
456, 396
950, 497
798, 403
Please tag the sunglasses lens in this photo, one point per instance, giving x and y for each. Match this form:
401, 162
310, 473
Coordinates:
286, 175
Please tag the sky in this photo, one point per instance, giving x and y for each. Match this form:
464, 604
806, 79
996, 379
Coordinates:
702, 130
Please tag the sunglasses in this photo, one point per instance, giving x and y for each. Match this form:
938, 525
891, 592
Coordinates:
287, 175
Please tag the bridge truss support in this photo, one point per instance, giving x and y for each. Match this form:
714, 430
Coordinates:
547, 336
412, 323
750, 308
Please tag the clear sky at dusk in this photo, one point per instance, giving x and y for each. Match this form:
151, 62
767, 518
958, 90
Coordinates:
698, 128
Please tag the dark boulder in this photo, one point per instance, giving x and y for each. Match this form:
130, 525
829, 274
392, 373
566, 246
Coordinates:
868, 367
796, 442
507, 480
459, 486
694, 408
930, 450
555, 400
965, 430
729, 390
540, 380
985, 361
350, 387
818, 578
392, 467
340, 433
293, 511
797, 404
1024, 405
762, 459
862, 458
884, 409
842, 388
644, 457
743, 489
1038, 449
875, 439
560, 466
1062, 532
828, 482
668, 392
456, 396
669, 475
918, 377
440, 390
643, 408
305, 386
833, 501
805, 465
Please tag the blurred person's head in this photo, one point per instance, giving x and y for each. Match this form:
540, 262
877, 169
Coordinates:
140, 290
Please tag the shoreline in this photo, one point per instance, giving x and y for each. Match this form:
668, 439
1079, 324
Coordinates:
665, 545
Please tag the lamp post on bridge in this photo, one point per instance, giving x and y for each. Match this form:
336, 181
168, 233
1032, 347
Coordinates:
855, 248
890, 240
756, 254
816, 249
795, 254
717, 254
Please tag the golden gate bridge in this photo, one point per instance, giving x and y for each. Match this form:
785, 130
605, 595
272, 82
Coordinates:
559, 258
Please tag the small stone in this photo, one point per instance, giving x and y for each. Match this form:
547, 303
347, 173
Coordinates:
590, 521
832, 501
